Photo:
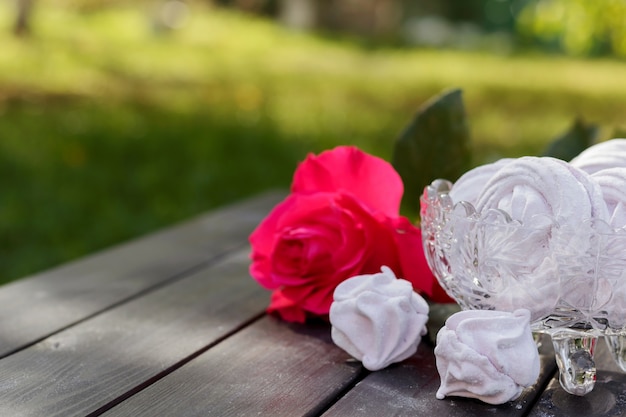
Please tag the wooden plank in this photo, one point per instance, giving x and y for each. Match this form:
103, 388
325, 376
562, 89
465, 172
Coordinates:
408, 389
33, 308
270, 368
86, 367
608, 398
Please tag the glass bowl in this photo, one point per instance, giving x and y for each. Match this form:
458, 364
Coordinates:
571, 278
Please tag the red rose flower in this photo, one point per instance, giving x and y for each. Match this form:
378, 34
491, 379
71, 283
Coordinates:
340, 220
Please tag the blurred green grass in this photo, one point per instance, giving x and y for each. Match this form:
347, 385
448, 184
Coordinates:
109, 130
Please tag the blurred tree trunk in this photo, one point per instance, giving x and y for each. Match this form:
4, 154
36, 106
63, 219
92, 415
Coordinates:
298, 14
252, 6
24, 10
368, 18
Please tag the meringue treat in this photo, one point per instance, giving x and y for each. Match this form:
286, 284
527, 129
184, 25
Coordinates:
545, 237
603, 155
543, 186
612, 182
471, 184
536, 193
486, 354
378, 319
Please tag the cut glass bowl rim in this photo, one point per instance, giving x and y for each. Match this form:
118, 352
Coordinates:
465, 211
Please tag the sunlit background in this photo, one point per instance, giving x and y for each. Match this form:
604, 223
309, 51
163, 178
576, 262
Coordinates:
118, 118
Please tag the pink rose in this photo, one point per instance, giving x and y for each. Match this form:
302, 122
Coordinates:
341, 220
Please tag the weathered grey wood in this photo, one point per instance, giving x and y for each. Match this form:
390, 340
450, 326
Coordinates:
91, 364
172, 324
270, 368
608, 398
408, 389
35, 307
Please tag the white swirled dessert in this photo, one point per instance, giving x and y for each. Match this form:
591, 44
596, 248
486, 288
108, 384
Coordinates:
532, 194
540, 234
378, 318
487, 355
603, 155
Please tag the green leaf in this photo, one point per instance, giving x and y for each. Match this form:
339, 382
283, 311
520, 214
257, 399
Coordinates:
434, 145
578, 138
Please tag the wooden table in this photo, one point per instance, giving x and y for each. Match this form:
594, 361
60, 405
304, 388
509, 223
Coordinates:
173, 325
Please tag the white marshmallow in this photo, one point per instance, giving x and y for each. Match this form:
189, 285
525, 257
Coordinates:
603, 155
536, 191
612, 182
488, 355
378, 319
471, 184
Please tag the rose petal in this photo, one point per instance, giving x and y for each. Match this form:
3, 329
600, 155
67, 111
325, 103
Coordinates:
287, 308
413, 262
370, 179
322, 235
293, 212
316, 300
262, 241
